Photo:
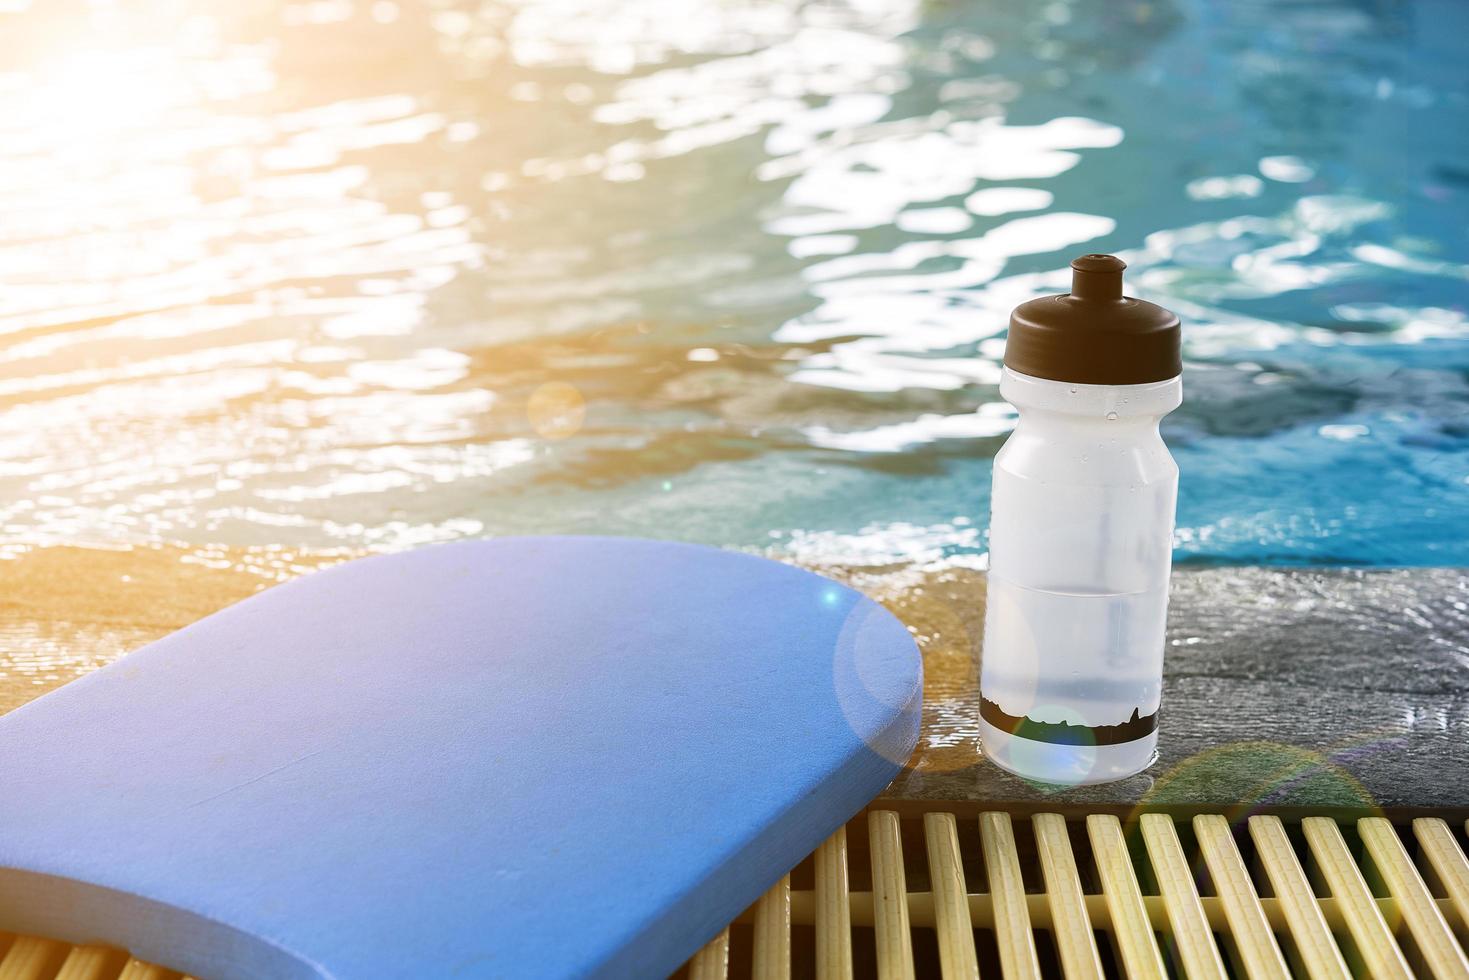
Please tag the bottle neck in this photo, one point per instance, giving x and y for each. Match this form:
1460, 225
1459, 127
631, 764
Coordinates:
1141, 404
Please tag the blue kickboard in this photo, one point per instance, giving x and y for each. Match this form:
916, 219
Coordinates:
508, 758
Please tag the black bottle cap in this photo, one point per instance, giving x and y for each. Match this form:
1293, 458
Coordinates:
1094, 335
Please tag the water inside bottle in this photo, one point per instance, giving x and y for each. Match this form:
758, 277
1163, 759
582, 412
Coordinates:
1075, 657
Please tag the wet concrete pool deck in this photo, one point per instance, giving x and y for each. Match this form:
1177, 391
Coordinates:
1330, 690
1323, 690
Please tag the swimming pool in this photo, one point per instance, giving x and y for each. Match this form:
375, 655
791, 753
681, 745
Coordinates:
343, 276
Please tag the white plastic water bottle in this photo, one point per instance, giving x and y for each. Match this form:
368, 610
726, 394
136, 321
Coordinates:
1081, 533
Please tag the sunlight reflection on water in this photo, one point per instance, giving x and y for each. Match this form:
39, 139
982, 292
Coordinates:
356, 275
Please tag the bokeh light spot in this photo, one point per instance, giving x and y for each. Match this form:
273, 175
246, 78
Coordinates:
557, 410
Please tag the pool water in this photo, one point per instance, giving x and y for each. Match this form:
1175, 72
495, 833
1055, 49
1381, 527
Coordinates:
337, 275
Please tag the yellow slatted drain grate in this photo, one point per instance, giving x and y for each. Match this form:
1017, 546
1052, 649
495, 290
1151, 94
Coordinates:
938, 895
944, 896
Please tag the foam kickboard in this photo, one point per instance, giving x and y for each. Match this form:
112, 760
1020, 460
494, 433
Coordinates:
517, 757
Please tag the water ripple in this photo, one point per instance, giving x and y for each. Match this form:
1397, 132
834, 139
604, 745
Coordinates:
362, 275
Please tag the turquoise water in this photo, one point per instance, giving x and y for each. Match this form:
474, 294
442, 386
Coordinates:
335, 274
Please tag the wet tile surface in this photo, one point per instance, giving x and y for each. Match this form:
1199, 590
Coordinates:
1283, 688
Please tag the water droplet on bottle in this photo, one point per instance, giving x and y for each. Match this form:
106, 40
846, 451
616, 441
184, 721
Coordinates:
1111, 416
1073, 389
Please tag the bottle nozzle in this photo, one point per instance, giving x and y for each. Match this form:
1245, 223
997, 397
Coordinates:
1095, 335
1097, 277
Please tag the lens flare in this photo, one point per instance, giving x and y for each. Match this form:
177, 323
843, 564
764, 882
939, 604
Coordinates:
557, 410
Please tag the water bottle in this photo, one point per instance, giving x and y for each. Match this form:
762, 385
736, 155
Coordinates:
1081, 531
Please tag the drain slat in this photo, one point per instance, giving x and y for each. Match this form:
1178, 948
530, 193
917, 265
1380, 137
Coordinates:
1447, 861
32, 958
712, 962
138, 970
1071, 929
1131, 931
1318, 951
772, 946
1007, 897
833, 910
1191, 935
92, 963
894, 934
955, 932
